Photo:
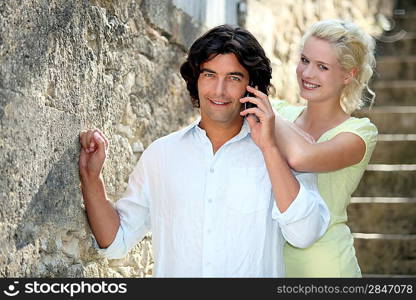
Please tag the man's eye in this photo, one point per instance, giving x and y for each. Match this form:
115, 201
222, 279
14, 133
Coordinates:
235, 78
208, 75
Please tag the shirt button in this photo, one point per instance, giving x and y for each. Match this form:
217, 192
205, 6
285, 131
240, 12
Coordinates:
209, 231
210, 200
211, 170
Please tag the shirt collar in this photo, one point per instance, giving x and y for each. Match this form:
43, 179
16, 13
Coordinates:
183, 132
245, 129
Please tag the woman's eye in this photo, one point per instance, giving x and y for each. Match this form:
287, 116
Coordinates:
323, 68
304, 60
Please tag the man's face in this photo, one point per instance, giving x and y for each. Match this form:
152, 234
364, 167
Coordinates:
221, 84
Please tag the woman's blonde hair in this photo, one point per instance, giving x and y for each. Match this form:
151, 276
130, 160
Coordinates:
355, 49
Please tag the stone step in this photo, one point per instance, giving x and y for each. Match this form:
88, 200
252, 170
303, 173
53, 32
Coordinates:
391, 119
396, 67
387, 276
402, 43
381, 180
386, 253
404, 5
382, 215
395, 149
395, 92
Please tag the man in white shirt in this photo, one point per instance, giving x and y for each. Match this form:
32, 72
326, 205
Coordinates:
217, 196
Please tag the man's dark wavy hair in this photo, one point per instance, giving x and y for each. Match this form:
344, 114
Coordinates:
225, 39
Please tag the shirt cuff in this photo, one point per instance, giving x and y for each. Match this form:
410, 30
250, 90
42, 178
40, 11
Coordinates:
116, 249
296, 209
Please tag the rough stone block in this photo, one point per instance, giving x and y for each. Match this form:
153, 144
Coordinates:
394, 152
386, 255
65, 67
399, 183
391, 218
393, 93
392, 119
396, 67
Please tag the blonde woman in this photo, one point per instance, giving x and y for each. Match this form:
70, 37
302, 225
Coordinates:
335, 64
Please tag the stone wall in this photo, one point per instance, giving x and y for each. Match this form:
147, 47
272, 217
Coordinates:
113, 64
280, 24
66, 66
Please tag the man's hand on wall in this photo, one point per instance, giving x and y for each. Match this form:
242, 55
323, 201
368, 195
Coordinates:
94, 146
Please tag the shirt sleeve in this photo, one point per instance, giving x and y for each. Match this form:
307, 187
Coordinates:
307, 217
133, 209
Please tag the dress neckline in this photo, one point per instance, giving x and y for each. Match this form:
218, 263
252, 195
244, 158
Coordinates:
326, 132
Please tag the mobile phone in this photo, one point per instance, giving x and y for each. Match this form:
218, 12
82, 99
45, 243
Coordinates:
248, 105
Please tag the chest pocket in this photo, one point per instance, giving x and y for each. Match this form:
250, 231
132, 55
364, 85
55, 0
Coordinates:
249, 190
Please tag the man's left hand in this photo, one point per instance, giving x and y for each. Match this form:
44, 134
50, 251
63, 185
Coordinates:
262, 127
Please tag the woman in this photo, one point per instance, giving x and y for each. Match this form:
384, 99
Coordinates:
335, 65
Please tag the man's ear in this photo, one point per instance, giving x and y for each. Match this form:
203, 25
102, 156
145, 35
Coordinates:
350, 75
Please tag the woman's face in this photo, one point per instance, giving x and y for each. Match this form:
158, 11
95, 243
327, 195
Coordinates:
320, 76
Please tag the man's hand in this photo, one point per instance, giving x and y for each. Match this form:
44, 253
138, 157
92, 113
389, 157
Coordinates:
284, 184
262, 127
94, 147
102, 217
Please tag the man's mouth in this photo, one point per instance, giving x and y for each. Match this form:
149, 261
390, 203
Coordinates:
217, 102
309, 85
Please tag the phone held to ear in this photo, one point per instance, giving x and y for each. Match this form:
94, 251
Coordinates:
248, 105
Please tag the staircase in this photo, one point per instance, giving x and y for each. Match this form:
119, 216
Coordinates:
382, 213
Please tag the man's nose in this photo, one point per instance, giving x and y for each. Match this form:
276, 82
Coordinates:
220, 87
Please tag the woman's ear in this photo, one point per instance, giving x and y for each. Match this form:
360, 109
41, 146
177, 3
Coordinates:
349, 75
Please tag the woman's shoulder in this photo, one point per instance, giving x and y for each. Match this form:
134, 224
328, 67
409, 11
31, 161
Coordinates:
362, 127
286, 109
361, 124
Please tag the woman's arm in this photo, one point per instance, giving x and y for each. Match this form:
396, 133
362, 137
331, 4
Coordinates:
344, 150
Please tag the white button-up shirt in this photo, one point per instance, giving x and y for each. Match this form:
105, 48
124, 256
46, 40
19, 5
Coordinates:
213, 215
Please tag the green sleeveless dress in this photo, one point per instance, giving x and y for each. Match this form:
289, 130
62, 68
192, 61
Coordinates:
333, 255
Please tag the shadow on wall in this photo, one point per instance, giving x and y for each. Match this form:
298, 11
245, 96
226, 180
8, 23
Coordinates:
56, 204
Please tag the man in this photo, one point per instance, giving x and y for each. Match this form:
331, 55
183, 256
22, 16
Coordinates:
217, 196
